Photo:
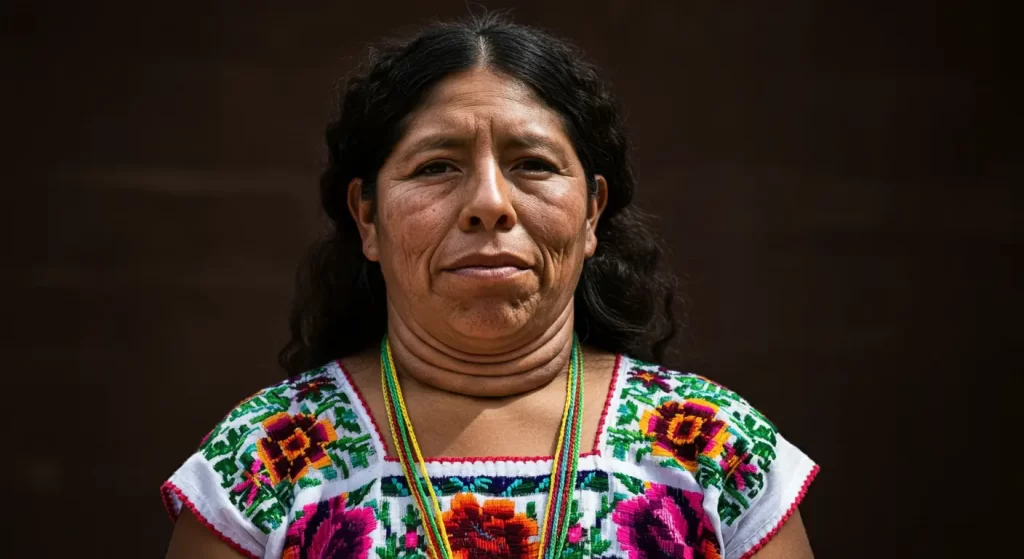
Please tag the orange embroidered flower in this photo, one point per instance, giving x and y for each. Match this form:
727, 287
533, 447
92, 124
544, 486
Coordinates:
685, 430
293, 444
491, 531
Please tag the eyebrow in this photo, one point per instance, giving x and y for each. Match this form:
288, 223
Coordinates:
441, 140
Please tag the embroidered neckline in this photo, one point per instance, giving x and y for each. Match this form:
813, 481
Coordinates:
595, 450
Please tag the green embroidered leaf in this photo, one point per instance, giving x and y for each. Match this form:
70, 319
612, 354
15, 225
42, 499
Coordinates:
277, 400
598, 545
531, 510
306, 482
522, 487
268, 519
227, 468
392, 487
764, 450
451, 486
605, 510
728, 511
356, 497
635, 486
595, 481
737, 496
330, 473
641, 452
670, 463
627, 414
347, 419
411, 519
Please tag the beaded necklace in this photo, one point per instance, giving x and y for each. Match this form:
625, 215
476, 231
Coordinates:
555, 527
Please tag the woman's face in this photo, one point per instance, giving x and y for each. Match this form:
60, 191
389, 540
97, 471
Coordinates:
482, 218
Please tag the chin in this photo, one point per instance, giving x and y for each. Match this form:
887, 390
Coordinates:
492, 323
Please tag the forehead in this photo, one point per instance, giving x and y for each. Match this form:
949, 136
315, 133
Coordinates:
483, 98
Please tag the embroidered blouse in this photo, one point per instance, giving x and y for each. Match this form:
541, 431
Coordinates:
682, 467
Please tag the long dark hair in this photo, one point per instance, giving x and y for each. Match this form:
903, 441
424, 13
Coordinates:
624, 299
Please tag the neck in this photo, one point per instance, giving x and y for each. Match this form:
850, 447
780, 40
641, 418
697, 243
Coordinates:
525, 367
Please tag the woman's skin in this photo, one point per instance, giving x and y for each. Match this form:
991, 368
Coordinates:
481, 224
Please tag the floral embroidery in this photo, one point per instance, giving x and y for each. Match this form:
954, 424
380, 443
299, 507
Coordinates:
666, 523
494, 530
736, 465
325, 530
309, 430
293, 444
255, 480
649, 379
687, 421
575, 534
312, 388
685, 430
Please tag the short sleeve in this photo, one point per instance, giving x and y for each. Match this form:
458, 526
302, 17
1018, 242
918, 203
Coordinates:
226, 483
760, 477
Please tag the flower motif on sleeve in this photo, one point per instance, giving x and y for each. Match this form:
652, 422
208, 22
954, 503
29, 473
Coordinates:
666, 523
293, 444
327, 531
685, 430
255, 480
649, 379
493, 531
736, 465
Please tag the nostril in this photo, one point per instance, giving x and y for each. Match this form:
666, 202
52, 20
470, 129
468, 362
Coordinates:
503, 220
474, 221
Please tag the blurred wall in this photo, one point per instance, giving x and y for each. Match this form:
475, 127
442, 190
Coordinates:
827, 176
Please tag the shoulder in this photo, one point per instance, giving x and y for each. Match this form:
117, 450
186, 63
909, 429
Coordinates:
296, 434
666, 419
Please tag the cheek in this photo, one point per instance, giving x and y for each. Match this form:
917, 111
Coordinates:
557, 225
413, 225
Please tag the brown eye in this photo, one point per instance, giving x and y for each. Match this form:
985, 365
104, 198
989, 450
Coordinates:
435, 168
536, 166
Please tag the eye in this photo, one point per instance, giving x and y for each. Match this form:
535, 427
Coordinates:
434, 168
536, 166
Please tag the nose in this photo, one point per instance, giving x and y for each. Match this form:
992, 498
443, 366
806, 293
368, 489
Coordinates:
488, 204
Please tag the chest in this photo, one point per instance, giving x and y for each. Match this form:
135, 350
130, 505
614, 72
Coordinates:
496, 512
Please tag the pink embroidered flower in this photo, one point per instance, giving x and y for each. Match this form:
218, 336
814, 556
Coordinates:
412, 540
328, 531
666, 523
736, 465
255, 479
649, 379
575, 534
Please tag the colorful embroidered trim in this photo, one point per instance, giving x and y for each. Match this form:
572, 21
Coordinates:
555, 528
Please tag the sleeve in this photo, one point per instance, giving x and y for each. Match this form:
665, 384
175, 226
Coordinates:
763, 480
227, 485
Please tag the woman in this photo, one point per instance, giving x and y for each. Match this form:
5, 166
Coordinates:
480, 191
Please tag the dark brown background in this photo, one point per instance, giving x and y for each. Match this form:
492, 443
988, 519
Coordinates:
828, 178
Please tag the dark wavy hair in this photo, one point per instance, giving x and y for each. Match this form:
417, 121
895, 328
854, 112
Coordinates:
625, 297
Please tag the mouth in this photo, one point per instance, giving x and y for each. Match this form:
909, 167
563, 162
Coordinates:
489, 266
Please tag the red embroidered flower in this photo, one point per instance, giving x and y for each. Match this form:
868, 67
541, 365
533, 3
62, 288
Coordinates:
327, 531
492, 531
312, 387
293, 444
685, 430
666, 523
649, 379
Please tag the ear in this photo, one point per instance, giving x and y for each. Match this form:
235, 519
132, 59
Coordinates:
363, 214
595, 207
